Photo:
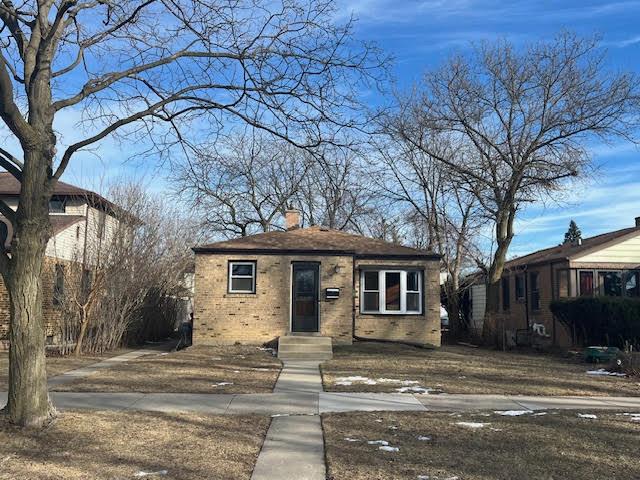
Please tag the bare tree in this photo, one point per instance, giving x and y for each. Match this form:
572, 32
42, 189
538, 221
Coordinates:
243, 184
523, 119
150, 69
442, 217
333, 194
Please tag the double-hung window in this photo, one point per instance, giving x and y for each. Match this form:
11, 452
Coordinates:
242, 277
391, 291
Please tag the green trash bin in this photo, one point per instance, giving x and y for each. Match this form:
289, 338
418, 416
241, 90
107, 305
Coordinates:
601, 354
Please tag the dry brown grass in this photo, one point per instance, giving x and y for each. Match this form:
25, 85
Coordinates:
193, 370
457, 369
117, 445
554, 446
55, 365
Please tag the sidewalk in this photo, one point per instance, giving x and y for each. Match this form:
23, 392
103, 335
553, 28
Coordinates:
310, 403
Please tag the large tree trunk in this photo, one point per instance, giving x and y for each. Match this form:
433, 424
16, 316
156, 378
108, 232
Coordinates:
28, 403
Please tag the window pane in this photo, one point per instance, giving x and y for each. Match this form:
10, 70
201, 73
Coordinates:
242, 284
371, 302
371, 280
586, 283
413, 281
610, 283
241, 269
563, 283
413, 302
505, 293
305, 282
392, 290
632, 285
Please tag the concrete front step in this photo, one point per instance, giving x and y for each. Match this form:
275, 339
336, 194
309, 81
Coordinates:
309, 340
305, 348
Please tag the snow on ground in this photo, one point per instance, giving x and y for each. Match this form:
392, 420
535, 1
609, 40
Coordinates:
142, 474
427, 477
512, 413
634, 417
424, 438
473, 424
387, 448
602, 371
378, 442
407, 386
588, 415
349, 439
222, 384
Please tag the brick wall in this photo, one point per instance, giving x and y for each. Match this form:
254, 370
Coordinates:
50, 311
422, 329
515, 318
223, 318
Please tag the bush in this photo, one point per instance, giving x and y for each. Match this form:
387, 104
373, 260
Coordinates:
607, 321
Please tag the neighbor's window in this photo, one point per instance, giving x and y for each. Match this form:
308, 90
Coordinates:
610, 283
58, 286
563, 284
535, 291
391, 291
56, 206
520, 287
505, 293
586, 283
242, 277
632, 284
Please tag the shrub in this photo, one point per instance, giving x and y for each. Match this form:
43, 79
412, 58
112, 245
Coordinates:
608, 321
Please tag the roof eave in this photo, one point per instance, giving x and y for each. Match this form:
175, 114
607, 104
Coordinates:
350, 253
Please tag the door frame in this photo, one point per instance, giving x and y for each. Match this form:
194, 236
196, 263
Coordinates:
291, 298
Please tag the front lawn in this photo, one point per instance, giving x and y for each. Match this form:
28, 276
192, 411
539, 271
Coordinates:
199, 369
439, 446
55, 365
126, 445
388, 367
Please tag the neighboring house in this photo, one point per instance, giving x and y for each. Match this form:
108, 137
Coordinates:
81, 221
607, 264
315, 281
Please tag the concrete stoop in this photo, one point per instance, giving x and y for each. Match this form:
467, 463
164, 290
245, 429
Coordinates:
305, 348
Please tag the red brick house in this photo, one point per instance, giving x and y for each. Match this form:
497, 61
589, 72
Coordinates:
315, 281
607, 264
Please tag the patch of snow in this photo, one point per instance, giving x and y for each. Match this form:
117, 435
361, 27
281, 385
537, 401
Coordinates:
345, 383
539, 414
215, 358
348, 439
424, 438
378, 442
280, 415
222, 384
142, 474
512, 413
462, 377
588, 415
606, 373
261, 369
472, 424
393, 427
495, 429
424, 477
415, 389
387, 448
634, 417
379, 420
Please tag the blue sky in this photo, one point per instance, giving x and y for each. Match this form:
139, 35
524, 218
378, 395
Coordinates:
420, 35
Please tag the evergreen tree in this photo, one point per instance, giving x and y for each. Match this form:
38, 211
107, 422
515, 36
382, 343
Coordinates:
573, 234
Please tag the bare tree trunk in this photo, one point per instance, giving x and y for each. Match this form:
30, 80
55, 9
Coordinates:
490, 328
28, 402
84, 321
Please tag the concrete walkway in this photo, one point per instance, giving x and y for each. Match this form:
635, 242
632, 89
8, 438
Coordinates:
82, 372
309, 403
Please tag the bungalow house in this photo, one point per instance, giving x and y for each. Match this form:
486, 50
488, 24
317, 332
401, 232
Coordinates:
315, 282
81, 220
607, 264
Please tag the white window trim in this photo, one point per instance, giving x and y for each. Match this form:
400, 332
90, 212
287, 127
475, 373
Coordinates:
382, 301
232, 276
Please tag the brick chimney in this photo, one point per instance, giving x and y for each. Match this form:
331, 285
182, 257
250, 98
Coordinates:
292, 219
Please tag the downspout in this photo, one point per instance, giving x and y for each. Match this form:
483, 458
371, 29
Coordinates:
353, 297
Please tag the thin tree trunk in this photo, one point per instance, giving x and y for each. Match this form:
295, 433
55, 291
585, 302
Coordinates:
84, 321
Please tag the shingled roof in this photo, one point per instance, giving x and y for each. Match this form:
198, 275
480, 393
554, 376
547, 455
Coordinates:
314, 240
9, 186
568, 250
